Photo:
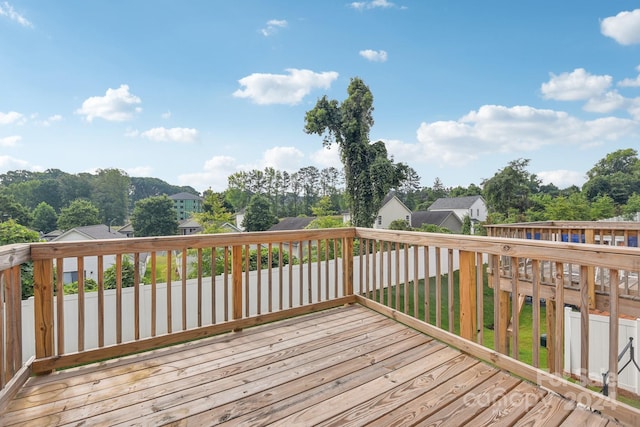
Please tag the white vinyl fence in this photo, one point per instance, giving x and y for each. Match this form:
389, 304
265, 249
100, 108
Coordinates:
629, 378
91, 298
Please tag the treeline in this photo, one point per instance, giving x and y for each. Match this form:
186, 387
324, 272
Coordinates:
38, 199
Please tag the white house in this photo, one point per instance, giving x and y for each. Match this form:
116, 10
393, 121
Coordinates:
89, 232
391, 210
474, 207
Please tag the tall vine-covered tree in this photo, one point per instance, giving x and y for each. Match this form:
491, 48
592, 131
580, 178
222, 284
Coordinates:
369, 173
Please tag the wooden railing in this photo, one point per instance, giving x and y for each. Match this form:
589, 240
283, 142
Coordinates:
217, 283
12, 370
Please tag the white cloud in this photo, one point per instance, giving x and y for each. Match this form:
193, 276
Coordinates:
7, 10
634, 108
51, 120
139, 171
606, 103
171, 134
327, 157
10, 141
631, 82
12, 117
166, 115
623, 28
273, 26
265, 89
362, 5
562, 178
214, 174
574, 86
8, 163
117, 105
495, 128
374, 55
283, 158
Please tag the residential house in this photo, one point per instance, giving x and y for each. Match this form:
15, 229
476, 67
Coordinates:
391, 210
186, 204
189, 226
127, 230
240, 219
445, 219
474, 207
89, 232
290, 224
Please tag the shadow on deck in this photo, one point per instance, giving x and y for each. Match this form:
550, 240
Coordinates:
348, 365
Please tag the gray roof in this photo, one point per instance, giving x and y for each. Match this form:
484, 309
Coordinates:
292, 223
454, 202
189, 223
98, 231
429, 217
185, 196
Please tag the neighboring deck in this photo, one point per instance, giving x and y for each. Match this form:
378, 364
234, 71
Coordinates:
342, 366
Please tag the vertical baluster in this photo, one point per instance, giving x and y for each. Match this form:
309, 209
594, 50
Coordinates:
270, 277
416, 286
450, 299
226, 283
427, 284
396, 251
480, 298
280, 278
584, 325
247, 257
183, 273
535, 302
169, 275
80, 264
154, 297
515, 307
118, 298
60, 304
613, 333
214, 270
136, 294
200, 300
438, 289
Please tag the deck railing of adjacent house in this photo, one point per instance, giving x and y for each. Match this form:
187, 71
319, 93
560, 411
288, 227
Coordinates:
323, 269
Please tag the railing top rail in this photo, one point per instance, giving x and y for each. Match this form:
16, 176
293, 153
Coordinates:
51, 250
623, 258
15, 254
587, 225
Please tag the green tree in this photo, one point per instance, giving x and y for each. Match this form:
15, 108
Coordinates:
12, 232
632, 207
369, 173
128, 275
214, 213
111, 195
44, 218
11, 209
78, 214
617, 175
466, 225
511, 188
258, 216
400, 224
602, 207
154, 216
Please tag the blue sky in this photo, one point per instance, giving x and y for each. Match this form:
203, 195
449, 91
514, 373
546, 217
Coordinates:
193, 91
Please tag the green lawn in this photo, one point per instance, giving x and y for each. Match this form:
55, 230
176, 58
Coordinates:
526, 315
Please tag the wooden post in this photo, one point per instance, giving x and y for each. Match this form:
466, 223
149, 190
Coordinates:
589, 237
236, 281
43, 306
551, 321
503, 323
468, 289
347, 265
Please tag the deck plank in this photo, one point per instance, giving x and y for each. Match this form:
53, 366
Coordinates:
156, 392
343, 366
552, 410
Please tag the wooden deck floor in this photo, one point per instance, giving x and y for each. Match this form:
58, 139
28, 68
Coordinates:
345, 366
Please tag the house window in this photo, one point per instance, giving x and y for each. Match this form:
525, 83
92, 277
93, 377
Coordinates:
70, 277
477, 212
379, 219
406, 218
